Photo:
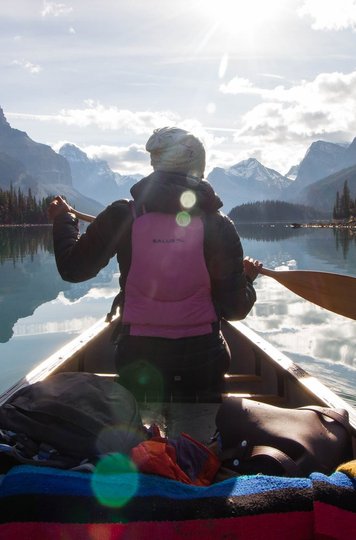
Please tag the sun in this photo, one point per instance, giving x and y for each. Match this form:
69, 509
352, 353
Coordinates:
240, 15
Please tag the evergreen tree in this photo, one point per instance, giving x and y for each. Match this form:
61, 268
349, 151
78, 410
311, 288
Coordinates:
345, 202
17, 208
345, 206
336, 211
272, 212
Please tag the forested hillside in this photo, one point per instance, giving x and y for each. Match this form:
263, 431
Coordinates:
16, 208
275, 211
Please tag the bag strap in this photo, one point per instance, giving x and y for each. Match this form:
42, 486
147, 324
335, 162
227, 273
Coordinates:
341, 415
137, 211
286, 462
118, 298
133, 209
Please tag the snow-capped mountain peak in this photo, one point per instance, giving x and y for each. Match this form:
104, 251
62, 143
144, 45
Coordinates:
252, 168
94, 177
247, 181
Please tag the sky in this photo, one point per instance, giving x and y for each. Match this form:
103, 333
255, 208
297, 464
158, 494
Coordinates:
253, 78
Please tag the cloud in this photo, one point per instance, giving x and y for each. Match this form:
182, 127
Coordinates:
109, 118
55, 9
329, 14
34, 69
220, 143
134, 158
272, 75
125, 160
239, 85
322, 107
324, 89
131, 159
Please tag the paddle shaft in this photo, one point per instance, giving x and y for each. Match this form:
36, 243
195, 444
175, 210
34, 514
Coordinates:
82, 216
335, 292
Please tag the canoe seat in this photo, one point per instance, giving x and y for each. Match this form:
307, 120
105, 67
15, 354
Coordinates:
251, 383
231, 378
110, 376
272, 399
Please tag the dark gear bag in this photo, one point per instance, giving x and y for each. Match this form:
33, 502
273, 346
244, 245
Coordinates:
257, 438
75, 416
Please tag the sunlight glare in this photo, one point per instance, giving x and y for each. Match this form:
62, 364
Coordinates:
238, 15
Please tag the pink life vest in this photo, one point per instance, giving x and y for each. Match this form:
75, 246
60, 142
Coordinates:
168, 290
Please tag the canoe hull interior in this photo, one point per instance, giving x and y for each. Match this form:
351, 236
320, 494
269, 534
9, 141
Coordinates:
258, 371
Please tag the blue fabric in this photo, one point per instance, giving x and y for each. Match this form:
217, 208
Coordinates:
24, 479
338, 479
47, 501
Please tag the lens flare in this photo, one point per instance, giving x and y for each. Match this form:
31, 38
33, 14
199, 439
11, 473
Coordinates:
188, 199
111, 484
143, 379
183, 219
118, 438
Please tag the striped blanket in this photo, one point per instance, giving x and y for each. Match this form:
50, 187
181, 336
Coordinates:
45, 503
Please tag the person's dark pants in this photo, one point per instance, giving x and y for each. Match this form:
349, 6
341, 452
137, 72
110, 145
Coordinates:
160, 369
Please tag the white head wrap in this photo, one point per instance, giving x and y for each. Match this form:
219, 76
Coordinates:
177, 150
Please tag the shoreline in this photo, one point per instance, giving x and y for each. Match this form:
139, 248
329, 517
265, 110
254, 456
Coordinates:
350, 226
294, 225
25, 225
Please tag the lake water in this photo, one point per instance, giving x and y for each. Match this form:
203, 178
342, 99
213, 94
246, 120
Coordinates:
39, 312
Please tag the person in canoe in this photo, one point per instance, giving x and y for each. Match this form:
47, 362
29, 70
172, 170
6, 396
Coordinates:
181, 265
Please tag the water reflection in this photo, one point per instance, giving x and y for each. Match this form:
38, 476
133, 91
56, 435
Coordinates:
344, 239
271, 233
326, 249
322, 342
39, 312
29, 277
19, 242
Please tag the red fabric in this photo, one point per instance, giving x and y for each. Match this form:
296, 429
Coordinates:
294, 526
157, 456
327, 522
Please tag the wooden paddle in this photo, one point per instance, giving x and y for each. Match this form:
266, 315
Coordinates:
82, 216
335, 292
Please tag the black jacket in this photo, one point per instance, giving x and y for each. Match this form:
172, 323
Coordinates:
80, 257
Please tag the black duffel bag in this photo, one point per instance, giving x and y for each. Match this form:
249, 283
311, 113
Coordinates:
255, 437
72, 417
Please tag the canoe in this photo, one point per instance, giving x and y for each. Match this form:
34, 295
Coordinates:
38, 502
258, 371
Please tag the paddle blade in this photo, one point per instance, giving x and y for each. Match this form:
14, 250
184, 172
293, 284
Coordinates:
335, 292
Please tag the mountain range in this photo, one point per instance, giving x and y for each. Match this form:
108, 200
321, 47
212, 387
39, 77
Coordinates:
313, 182
248, 181
95, 178
90, 184
27, 164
